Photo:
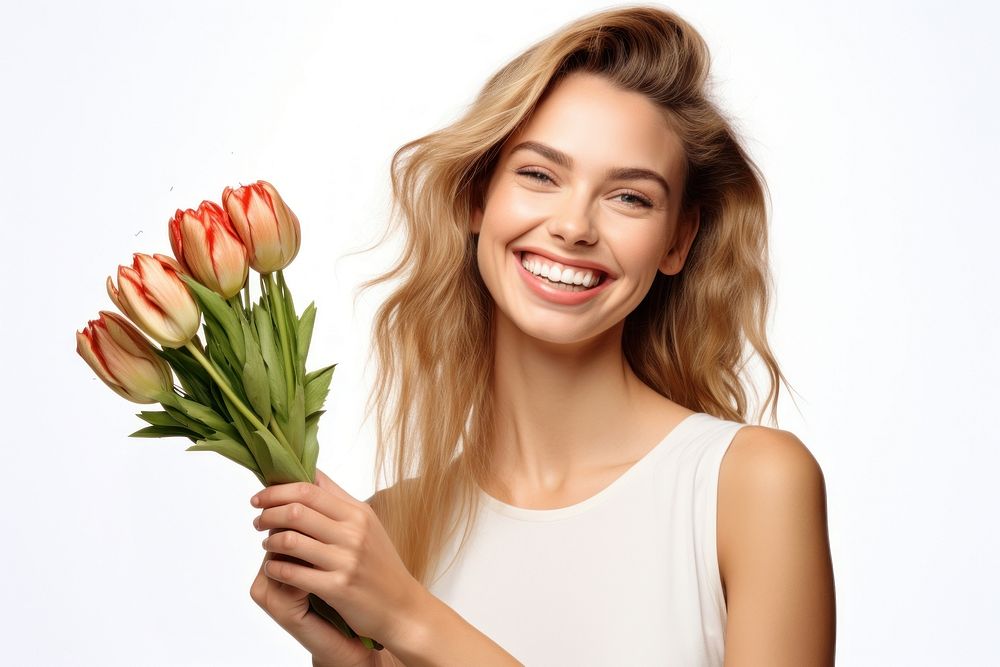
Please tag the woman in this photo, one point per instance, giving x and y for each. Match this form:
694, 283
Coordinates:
585, 262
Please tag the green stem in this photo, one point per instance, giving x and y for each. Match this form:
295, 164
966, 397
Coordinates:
246, 299
286, 351
231, 395
277, 429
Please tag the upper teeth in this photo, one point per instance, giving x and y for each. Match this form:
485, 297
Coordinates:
555, 272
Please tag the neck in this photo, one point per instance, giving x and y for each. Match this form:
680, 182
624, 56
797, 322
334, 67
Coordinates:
568, 410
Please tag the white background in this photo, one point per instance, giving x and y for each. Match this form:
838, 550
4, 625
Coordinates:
875, 124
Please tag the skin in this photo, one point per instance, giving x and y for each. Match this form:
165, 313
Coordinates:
566, 361
571, 415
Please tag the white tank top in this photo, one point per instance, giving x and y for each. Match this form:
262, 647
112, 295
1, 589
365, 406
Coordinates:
629, 576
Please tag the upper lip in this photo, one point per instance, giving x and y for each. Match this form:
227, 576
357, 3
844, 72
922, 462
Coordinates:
583, 263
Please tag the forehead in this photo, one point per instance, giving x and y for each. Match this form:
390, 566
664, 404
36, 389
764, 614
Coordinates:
601, 126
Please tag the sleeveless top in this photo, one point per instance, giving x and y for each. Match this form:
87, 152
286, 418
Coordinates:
629, 576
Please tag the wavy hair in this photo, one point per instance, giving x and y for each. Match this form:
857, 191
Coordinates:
689, 339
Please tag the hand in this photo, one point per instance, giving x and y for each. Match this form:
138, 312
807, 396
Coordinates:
289, 607
343, 555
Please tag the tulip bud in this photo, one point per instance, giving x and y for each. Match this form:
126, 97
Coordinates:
208, 248
123, 358
269, 229
153, 296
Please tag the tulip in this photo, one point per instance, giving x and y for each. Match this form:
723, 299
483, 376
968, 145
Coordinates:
208, 248
153, 296
123, 358
268, 228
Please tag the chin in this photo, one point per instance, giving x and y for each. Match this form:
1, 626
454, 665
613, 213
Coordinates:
557, 332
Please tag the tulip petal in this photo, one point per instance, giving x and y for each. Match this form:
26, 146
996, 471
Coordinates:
199, 251
132, 341
125, 335
264, 229
85, 348
233, 202
141, 309
286, 221
136, 375
229, 259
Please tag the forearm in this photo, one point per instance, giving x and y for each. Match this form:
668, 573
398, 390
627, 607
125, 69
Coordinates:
440, 637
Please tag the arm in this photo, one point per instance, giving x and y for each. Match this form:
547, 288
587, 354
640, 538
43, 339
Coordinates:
774, 553
442, 638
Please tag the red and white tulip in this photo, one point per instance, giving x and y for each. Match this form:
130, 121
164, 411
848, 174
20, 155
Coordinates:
151, 294
123, 358
268, 228
208, 248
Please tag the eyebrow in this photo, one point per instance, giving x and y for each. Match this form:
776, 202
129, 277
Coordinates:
614, 173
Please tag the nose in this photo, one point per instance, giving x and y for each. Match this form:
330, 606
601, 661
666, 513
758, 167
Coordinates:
574, 224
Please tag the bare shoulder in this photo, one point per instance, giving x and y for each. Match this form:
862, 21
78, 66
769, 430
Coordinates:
377, 498
774, 551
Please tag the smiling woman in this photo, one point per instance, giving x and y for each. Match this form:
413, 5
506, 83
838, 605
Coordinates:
561, 385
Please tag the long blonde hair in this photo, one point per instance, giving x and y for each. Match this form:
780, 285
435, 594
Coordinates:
688, 339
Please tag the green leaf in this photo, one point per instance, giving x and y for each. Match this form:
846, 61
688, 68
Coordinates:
286, 293
286, 309
158, 418
196, 411
312, 375
193, 378
305, 331
317, 387
164, 432
272, 359
218, 346
188, 423
255, 380
245, 430
286, 468
228, 372
297, 422
232, 450
214, 303
310, 451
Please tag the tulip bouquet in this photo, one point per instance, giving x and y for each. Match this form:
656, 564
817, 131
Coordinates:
245, 392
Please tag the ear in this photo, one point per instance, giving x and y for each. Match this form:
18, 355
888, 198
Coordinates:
687, 228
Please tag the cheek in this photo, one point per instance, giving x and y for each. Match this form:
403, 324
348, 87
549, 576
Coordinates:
640, 254
511, 211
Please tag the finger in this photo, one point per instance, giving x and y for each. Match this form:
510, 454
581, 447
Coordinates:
303, 577
302, 548
311, 495
306, 520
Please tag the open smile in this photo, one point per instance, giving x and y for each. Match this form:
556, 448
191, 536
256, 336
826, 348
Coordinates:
560, 283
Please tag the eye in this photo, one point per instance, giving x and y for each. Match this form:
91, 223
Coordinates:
637, 200
535, 175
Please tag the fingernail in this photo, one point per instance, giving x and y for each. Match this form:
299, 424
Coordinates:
255, 501
256, 522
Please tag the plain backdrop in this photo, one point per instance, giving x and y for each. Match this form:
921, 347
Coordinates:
875, 125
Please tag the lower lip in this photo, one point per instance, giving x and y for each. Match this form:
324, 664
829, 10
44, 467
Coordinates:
563, 297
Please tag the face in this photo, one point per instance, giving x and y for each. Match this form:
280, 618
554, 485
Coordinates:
581, 211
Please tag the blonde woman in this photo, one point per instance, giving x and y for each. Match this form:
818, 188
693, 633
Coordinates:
560, 395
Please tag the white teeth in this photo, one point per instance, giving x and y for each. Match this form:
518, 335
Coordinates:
557, 273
